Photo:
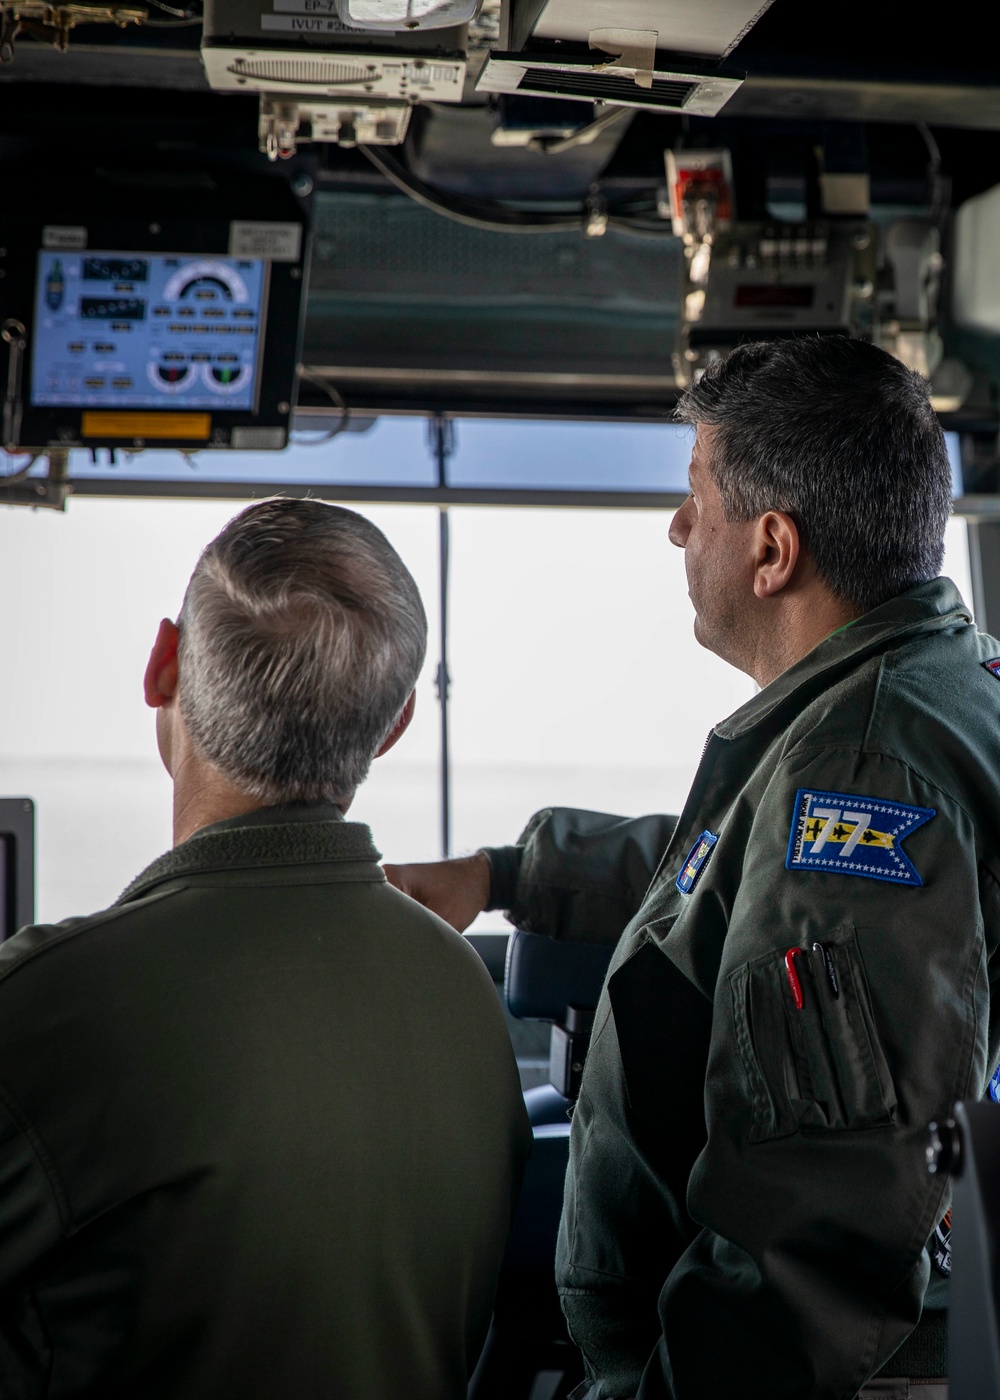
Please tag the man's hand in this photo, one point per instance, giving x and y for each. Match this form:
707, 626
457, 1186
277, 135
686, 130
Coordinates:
455, 890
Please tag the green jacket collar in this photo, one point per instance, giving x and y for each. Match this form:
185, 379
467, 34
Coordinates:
927, 607
297, 834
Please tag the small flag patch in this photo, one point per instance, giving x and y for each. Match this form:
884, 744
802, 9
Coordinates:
695, 862
842, 833
993, 667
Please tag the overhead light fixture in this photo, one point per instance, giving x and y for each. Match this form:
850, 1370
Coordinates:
682, 87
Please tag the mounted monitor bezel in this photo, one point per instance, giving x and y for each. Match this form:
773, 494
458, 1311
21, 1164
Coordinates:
269, 230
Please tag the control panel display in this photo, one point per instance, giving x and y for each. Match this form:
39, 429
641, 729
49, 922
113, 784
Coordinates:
147, 330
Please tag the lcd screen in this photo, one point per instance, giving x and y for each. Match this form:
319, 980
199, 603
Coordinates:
147, 330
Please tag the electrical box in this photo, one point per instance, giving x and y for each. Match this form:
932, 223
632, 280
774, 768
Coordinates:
769, 280
303, 47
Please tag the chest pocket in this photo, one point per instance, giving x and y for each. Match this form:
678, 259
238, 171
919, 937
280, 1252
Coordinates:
818, 1066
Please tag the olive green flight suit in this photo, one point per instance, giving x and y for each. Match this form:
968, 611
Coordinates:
748, 1208
261, 1133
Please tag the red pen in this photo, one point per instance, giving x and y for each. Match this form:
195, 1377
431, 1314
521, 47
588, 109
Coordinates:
793, 976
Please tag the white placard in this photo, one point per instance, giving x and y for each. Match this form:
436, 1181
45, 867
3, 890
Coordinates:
64, 236
279, 242
306, 24
309, 7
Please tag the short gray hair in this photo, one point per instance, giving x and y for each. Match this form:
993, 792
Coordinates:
842, 437
301, 637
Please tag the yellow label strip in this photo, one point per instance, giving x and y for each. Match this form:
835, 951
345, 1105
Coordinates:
197, 426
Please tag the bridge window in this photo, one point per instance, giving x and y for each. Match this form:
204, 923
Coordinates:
575, 677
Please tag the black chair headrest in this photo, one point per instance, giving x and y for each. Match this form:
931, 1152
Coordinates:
545, 975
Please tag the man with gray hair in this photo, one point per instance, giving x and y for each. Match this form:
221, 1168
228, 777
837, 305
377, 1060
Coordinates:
261, 1132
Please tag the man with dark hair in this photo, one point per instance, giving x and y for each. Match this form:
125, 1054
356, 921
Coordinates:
804, 984
838, 434
261, 1132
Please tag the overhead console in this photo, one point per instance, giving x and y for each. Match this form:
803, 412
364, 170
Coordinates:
130, 321
540, 218
343, 71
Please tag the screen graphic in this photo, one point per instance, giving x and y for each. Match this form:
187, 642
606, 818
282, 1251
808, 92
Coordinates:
147, 330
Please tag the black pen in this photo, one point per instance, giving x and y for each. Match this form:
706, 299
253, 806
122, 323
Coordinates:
831, 971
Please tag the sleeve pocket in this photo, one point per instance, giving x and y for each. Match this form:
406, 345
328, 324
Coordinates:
819, 1067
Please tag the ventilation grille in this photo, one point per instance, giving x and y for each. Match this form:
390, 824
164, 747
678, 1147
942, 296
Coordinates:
385, 248
607, 87
306, 72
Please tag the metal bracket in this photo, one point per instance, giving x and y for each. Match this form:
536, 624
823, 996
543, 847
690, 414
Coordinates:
49, 492
53, 22
441, 440
568, 1046
14, 335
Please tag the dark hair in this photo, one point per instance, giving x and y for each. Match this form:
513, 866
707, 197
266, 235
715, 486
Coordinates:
301, 636
842, 437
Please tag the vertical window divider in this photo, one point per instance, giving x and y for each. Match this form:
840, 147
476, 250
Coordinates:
442, 444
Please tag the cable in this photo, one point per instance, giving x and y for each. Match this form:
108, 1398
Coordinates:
939, 194
13, 478
933, 149
179, 14
183, 18
496, 218
584, 136
328, 389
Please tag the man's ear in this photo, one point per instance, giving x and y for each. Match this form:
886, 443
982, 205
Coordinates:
160, 681
777, 550
401, 725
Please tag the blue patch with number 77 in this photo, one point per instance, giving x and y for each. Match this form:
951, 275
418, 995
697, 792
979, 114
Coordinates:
843, 833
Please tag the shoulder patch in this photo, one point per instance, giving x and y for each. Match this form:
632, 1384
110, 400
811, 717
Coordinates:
694, 862
842, 833
993, 667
